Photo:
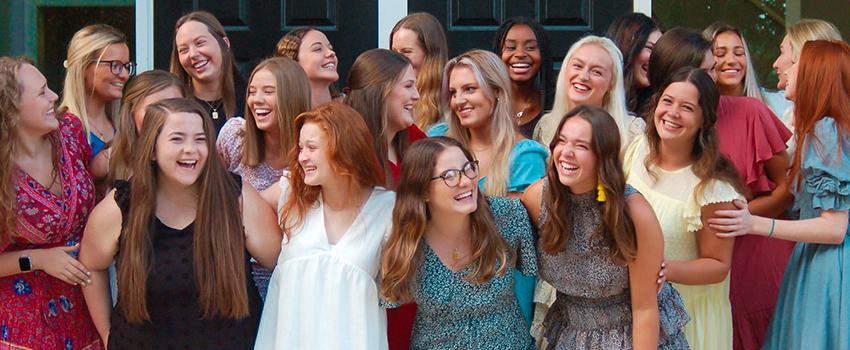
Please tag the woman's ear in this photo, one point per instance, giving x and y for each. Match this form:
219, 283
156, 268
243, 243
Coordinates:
227, 41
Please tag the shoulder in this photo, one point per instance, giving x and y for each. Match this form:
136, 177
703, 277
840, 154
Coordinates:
414, 134
232, 127
506, 208
71, 126
384, 196
439, 129
829, 148
106, 214
529, 148
635, 151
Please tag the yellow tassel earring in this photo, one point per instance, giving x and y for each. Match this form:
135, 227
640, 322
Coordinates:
600, 192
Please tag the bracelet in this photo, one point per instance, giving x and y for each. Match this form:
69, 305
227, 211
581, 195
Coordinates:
772, 226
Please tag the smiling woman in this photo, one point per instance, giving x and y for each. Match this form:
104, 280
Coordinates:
315, 54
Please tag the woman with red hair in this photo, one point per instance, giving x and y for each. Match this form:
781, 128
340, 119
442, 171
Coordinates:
324, 292
813, 307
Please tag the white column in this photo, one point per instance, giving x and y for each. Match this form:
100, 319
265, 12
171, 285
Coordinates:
643, 6
389, 12
144, 35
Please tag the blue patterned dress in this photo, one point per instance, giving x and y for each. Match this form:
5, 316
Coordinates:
813, 307
456, 314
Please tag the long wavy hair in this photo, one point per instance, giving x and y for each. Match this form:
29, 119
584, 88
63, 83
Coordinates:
222, 290
432, 38
494, 82
352, 159
630, 32
750, 82
708, 163
822, 90
617, 228
614, 101
86, 47
135, 90
371, 80
543, 79
229, 75
292, 97
404, 250
289, 44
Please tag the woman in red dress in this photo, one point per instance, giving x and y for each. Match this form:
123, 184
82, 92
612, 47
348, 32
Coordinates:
46, 194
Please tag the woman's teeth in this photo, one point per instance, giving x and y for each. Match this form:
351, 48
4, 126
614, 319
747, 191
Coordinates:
462, 196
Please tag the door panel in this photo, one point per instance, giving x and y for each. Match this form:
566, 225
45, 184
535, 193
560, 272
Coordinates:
254, 27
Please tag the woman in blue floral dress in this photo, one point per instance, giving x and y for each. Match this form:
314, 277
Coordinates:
453, 252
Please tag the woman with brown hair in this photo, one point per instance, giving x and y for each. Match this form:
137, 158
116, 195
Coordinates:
46, 194
600, 245
202, 58
314, 53
420, 37
255, 147
453, 252
333, 212
181, 241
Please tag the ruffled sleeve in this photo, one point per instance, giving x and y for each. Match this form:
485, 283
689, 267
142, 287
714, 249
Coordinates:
826, 167
715, 192
750, 134
513, 223
527, 165
229, 142
439, 129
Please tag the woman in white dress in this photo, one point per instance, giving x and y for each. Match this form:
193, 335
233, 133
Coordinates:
323, 293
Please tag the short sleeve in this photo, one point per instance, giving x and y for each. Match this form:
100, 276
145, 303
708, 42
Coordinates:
715, 192
527, 165
635, 152
229, 142
513, 223
826, 167
439, 129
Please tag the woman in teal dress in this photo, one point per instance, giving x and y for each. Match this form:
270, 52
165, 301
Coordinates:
453, 252
813, 308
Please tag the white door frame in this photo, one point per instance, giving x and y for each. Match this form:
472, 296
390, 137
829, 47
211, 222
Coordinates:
389, 12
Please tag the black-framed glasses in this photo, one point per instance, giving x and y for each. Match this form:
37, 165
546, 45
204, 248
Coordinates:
116, 67
452, 176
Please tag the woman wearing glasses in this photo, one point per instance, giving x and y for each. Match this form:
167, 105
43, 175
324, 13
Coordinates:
453, 252
98, 65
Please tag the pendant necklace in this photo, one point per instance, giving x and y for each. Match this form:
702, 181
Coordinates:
214, 108
524, 107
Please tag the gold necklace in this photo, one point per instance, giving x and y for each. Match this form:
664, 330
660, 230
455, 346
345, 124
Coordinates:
214, 109
456, 255
522, 112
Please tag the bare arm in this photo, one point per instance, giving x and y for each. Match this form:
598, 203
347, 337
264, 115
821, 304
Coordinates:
778, 200
262, 234
531, 199
715, 254
271, 195
643, 272
97, 251
828, 228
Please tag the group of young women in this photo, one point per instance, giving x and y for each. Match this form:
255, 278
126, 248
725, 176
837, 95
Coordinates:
643, 202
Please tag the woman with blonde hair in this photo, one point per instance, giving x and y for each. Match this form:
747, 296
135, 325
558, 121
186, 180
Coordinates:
98, 65
255, 147
142, 90
477, 91
453, 251
314, 53
46, 194
592, 74
202, 58
181, 232
736, 75
420, 37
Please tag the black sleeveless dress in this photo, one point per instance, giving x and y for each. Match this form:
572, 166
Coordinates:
172, 299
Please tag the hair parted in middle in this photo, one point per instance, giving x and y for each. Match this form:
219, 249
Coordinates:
351, 154
371, 80
431, 36
630, 32
403, 252
544, 83
494, 82
750, 82
617, 228
292, 97
217, 231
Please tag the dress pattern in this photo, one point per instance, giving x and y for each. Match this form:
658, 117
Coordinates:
813, 308
325, 296
592, 309
673, 197
456, 314
39, 311
172, 298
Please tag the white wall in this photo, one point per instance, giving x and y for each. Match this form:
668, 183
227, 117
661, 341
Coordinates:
144, 35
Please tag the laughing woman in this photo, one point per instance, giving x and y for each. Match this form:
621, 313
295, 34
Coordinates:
202, 58
46, 195
333, 212
181, 241
314, 53
453, 252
